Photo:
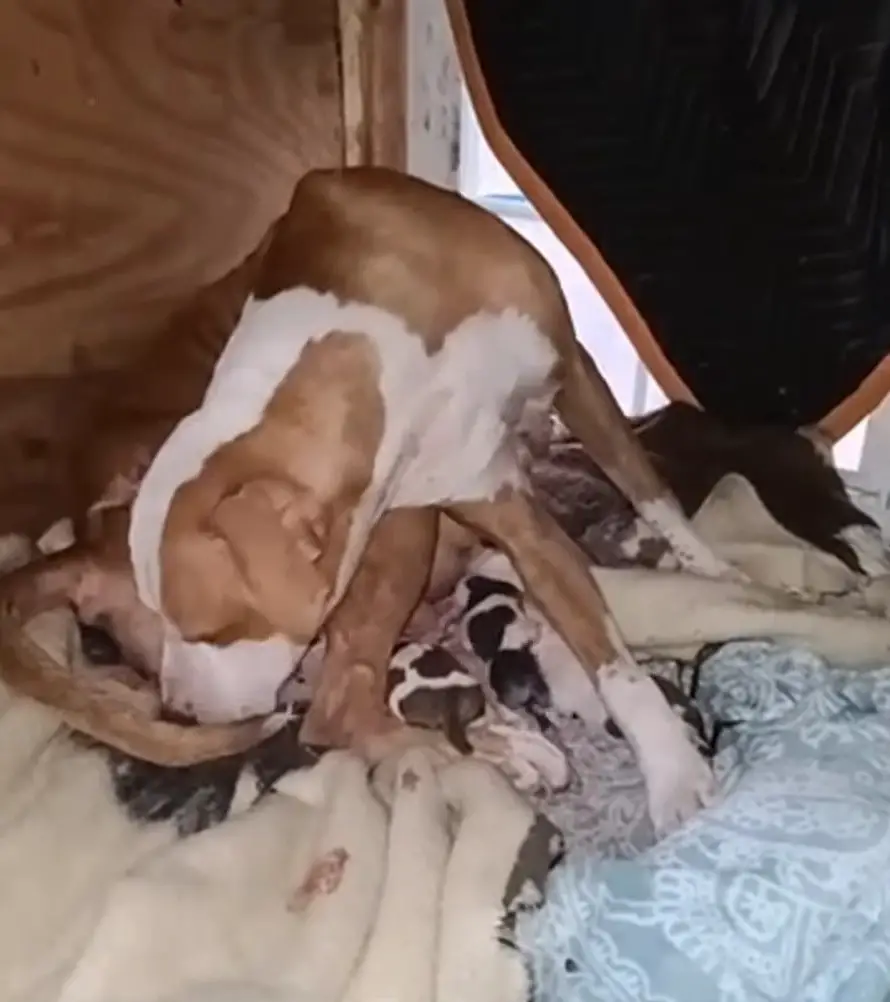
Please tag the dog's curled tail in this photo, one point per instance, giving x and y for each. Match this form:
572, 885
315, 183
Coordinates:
111, 712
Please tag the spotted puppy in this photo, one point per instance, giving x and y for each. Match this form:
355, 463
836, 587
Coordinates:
494, 625
428, 687
529, 667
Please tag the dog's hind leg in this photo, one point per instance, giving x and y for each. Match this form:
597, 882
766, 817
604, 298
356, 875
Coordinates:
349, 698
591, 412
678, 780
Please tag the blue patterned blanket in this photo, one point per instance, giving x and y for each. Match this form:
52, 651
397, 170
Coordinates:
779, 894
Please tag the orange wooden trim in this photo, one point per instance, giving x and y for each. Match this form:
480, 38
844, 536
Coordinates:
865, 399
557, 217
873, 389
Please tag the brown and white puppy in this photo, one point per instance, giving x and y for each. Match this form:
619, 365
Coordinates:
398, 342
428, 687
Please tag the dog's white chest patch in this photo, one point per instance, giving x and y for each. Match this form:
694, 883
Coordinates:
451, 418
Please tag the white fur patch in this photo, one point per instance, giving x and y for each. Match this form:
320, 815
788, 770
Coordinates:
633, 542
445, 436
415, 680
520, 631
692, 551
243, 682
678, 779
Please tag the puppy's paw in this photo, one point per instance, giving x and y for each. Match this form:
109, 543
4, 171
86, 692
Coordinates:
525, 755
679, 782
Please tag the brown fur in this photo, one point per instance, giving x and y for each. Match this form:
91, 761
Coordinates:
360, 634
266, 519
434, 259
121, 425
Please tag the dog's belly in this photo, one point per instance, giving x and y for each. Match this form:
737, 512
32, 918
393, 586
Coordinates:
492, 376
453, 418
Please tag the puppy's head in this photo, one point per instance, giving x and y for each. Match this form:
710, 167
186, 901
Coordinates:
245, 564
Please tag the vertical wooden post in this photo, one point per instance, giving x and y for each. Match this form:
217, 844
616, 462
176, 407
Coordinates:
373, 60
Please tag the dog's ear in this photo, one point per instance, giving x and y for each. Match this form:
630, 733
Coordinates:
270, 516
276, 533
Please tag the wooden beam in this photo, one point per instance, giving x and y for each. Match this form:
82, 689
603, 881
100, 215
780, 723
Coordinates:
373, 57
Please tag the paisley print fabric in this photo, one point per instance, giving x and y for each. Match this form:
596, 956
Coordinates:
780, 892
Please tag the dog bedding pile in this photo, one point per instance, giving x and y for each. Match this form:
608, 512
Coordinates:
123, 884
323, 886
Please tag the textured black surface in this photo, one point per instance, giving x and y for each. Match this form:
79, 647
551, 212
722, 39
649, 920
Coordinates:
200, 796
729, 159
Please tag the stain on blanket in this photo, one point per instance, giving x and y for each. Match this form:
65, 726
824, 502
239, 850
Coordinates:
323, 878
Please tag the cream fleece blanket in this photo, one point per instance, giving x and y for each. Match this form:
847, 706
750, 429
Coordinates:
840, 616
330, 890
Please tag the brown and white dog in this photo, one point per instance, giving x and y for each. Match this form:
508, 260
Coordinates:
398, 342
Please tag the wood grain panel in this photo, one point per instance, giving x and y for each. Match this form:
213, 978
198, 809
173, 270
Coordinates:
373, 57
145, 146
40, 416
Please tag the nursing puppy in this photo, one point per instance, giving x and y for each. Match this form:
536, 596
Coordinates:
427, 686
526, 662
398, 342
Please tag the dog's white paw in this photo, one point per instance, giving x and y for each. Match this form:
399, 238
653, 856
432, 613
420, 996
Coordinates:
679, 782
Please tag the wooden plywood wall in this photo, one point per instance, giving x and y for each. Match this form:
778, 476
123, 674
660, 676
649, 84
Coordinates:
145, 146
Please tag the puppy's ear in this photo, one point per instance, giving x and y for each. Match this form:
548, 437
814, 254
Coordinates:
276, 533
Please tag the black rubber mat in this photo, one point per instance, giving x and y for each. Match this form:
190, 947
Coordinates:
730, 161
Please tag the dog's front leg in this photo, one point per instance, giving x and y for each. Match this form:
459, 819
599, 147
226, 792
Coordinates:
348, 703
678, 779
